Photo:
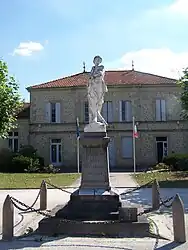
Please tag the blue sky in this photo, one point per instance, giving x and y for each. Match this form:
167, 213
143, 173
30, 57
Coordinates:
43, 40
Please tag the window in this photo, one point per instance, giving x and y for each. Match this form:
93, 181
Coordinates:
13, 141
107, 111
55, 152
53, 112
125, 111
86, 112
160, 110
127, 147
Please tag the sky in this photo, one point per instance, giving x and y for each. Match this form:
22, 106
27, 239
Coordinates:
43, 40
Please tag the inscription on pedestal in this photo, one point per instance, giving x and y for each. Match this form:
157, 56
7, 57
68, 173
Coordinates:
95, 168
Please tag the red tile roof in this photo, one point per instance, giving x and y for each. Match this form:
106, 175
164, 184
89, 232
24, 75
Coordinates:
126, 77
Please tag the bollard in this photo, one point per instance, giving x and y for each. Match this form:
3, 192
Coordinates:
155, 195
43, 196
178, 220
8, 219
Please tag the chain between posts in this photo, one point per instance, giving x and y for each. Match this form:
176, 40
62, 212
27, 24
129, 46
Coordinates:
27, 208
137, 188
54, 186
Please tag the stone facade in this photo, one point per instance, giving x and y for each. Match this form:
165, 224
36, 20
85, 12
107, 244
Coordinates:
38, 132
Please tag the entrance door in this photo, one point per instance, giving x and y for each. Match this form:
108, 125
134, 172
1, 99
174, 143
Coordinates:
112, 156
55, 152
162, 148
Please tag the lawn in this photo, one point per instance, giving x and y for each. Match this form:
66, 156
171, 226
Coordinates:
32, 180
165, 179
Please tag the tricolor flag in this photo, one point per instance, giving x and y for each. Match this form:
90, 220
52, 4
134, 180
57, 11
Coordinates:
135, 132
77, 128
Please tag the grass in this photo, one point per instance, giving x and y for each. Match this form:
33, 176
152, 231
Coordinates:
165, 179
32, 180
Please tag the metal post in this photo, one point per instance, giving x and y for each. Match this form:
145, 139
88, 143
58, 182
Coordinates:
78, 154
134, 146
43, 196
8, 219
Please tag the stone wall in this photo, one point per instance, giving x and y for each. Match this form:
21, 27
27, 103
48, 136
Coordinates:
38, 132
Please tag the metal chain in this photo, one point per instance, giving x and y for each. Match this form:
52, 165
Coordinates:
163, 203
14, 200
54, 186
137, 188
29, 207
157, 232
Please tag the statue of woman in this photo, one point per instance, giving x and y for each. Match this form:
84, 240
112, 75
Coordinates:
96, 91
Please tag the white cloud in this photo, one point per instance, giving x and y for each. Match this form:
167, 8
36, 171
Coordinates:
179, 6
162, 61
27, 48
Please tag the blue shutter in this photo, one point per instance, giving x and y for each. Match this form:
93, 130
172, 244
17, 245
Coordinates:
86, 112
110, 112
127, 147
158, 110
128, 112
105, 111
163, 110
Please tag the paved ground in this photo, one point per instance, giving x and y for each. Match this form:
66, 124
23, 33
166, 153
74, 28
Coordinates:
143, 196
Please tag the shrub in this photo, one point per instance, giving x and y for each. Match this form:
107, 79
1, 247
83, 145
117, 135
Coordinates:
5, 160
177, 162
28, 151
22, 164
50, 169
161, 166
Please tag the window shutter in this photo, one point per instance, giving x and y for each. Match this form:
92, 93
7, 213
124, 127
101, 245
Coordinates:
86, 112
163, 110
128, 111
48, 112
120, 111
105, 111
127, 147
110, 112
158, 110
58, 113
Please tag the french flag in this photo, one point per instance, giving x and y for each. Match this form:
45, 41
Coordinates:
135, 132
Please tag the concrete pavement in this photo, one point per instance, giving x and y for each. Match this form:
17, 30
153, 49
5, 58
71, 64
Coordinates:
91, 243
23, 220
143, 196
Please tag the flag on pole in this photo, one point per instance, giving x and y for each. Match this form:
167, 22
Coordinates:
77, 128
135, 132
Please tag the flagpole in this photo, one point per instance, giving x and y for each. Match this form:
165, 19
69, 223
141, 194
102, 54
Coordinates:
78, 144
78, 154
134, 146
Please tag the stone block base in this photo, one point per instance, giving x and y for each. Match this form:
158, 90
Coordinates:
128, 214
56, 225
86, 206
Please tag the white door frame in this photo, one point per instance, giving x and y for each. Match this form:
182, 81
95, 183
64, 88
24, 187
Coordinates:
163, 145
57, 144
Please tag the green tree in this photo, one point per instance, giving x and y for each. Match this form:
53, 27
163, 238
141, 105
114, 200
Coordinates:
10, 101
183, 83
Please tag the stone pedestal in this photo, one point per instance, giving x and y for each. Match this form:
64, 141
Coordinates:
95, 162
95, 208
95, 199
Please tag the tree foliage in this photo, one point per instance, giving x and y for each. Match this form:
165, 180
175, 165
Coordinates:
183, 83
10, 101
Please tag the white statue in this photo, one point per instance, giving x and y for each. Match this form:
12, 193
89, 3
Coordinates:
96, 91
